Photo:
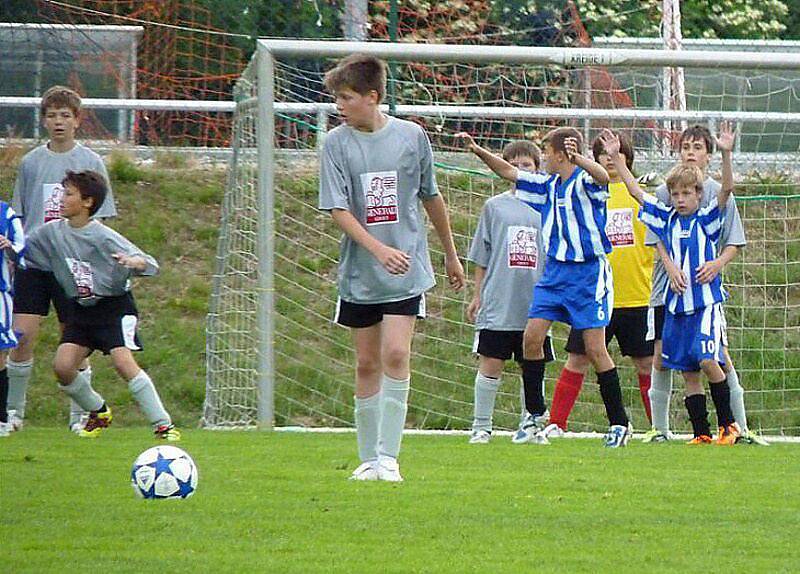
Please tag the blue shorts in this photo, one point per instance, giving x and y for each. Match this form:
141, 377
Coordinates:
578, 294
689, 339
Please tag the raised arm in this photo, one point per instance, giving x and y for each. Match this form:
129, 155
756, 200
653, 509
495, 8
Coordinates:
494, 162
725, 142
611, 145
594, 169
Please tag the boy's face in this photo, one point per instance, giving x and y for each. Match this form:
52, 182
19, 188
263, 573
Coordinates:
60, 124
523, 162
72, 204
694, 152
605, 160
551, 159
685, 199
357, 110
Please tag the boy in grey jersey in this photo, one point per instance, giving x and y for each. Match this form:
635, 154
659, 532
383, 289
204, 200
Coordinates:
508, 254
37, 199
93, 264
376, 175
696, 147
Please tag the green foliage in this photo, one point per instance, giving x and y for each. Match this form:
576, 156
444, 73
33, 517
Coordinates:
122, 168
280, 502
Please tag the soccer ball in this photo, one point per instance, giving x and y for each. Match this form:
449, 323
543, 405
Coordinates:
164, 472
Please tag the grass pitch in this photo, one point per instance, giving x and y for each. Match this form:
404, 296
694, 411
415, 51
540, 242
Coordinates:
280, 502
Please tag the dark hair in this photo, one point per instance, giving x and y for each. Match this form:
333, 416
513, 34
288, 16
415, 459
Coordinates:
625, 148
698, 132
520, 148
61, 97
89, 184
557, 136
360, 73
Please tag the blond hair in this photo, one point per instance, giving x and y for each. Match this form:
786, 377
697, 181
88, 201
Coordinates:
686, 175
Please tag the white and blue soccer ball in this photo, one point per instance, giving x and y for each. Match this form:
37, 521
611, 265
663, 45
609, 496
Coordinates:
164, 472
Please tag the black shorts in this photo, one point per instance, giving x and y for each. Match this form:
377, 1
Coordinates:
655, 322
506, 344
35, 289
360, 315
121, 332
628, 325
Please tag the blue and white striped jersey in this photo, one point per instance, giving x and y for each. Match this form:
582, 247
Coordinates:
573, 213
691, 242
11, 228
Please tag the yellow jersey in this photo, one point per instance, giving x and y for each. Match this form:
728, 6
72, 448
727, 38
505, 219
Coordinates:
631, 260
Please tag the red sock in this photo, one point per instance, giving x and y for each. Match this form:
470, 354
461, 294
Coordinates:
644, 386
568, 387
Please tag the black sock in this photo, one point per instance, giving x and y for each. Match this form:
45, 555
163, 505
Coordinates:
102, 409
721, 395
612, 397
3, 396
533, 383
698, 414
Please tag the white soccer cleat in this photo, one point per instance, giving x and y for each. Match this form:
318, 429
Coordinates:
365, 471
529, 427
618, 436
389, 470
480, 437
16, 422
5, 429
552, 431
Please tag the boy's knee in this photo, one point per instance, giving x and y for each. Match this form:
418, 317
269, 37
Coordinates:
395, 358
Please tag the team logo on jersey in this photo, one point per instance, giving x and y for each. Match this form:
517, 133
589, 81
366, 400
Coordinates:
380, 192
52, 193
522, 249
82, 274
619, 227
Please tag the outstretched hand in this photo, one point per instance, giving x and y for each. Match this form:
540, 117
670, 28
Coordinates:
726, 137
469, 141
610, 142
134, 262
572, 148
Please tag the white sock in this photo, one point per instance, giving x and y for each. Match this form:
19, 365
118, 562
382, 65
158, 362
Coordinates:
485, 394
737, 399
523, 412
75, 410
394, 406
368, 416
660, 393
81, 391
147, 397
19, 374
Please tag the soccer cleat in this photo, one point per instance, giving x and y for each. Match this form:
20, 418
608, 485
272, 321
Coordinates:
727, 436
389, 470
77, 427
750, 437
167, 432
16, 422
654, 436
702, 439
617, 436
96, 423
552, 431
480, 437
5, 429
529, 427
365, 471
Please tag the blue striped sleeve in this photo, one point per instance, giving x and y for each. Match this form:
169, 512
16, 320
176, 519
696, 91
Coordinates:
595, 191
710, 219
655, 215
532, 188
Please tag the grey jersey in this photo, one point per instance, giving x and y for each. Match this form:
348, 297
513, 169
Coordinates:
81, 259
37, 191
508, 244
732, 234
380, 178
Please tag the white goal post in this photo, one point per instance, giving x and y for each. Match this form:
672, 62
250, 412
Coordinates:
245, 350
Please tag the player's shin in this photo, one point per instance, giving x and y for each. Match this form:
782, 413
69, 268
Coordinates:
146, 396
19, 374
394, 406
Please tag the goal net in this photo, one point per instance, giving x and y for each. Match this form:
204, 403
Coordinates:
274, 355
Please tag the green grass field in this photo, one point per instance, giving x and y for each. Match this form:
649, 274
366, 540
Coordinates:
280, 502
